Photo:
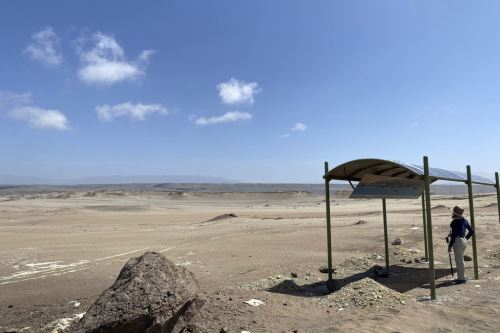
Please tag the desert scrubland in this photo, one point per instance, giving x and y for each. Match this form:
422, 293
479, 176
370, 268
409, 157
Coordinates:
60, 248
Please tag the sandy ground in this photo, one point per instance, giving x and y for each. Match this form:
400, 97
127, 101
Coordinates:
58, 253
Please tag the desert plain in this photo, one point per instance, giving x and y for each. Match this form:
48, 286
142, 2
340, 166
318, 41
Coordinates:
61, 247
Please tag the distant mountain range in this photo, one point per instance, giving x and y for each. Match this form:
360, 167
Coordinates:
117, 179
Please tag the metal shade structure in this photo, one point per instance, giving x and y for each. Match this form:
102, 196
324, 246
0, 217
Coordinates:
387, 179
356, 169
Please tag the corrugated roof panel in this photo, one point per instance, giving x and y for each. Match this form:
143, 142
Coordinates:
356, 169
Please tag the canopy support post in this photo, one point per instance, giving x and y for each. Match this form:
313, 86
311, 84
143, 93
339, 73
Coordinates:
425, 226
498, 194
330, 284
430, 245
472, 221
386, 241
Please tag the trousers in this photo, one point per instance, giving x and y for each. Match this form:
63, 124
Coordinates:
458, 250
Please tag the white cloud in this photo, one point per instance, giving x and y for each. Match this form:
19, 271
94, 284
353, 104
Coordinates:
136, 111
20, 107
105, 63
299, 127
9, 99
44, 47
41, 118
237, 92
228, 117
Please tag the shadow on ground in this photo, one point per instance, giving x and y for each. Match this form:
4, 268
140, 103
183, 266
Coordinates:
401, 279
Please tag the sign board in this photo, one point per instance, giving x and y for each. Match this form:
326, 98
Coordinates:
373, 186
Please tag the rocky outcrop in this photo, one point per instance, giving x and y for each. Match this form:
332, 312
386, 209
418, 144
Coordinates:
151, 294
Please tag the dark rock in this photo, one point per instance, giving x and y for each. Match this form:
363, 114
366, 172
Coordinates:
418, 261
224, 330
408, 261
379, 271
294, 275
151, 294
324, 269
397, 241
467, 258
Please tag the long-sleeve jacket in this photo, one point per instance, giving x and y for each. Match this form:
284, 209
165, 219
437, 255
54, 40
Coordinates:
458, 229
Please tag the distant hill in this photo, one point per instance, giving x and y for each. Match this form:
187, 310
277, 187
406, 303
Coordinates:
117, 179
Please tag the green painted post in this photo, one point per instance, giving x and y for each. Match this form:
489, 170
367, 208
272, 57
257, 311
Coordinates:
498, 194
472, 221
386, 241
425, 226
430, 245
328, 231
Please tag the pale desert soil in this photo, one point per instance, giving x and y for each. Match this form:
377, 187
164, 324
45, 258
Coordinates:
55, 250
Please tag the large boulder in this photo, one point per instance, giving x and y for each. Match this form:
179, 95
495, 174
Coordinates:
151, 294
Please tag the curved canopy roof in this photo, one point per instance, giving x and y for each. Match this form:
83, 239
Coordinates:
356, 169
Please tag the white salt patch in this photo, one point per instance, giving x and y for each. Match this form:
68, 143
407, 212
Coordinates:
39, 270
121, 254
44, 268
254, 302
414, 228
168, 249
60, 325
75, 303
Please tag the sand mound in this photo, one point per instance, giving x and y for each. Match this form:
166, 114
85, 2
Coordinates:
267, 283
355, 264
360, 222
222, 217
115, 193
365, 293
64, 195
439, 207
493, 204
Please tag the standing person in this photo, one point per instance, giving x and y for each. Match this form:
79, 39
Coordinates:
458, 240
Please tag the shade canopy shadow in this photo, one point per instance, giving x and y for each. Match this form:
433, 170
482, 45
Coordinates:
400, 279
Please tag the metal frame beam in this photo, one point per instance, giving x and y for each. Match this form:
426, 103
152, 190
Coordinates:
430, 246
386, 240
425, 226
472, 221
497, 185
330, 284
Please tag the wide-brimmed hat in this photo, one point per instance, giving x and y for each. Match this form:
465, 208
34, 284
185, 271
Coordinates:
458, 211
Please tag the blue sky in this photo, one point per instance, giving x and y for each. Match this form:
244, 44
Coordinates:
248, 90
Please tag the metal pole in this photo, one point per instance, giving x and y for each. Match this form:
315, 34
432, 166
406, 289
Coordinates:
498, 194
472, 221
430, 248
328, 231
425, 226
384, 211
